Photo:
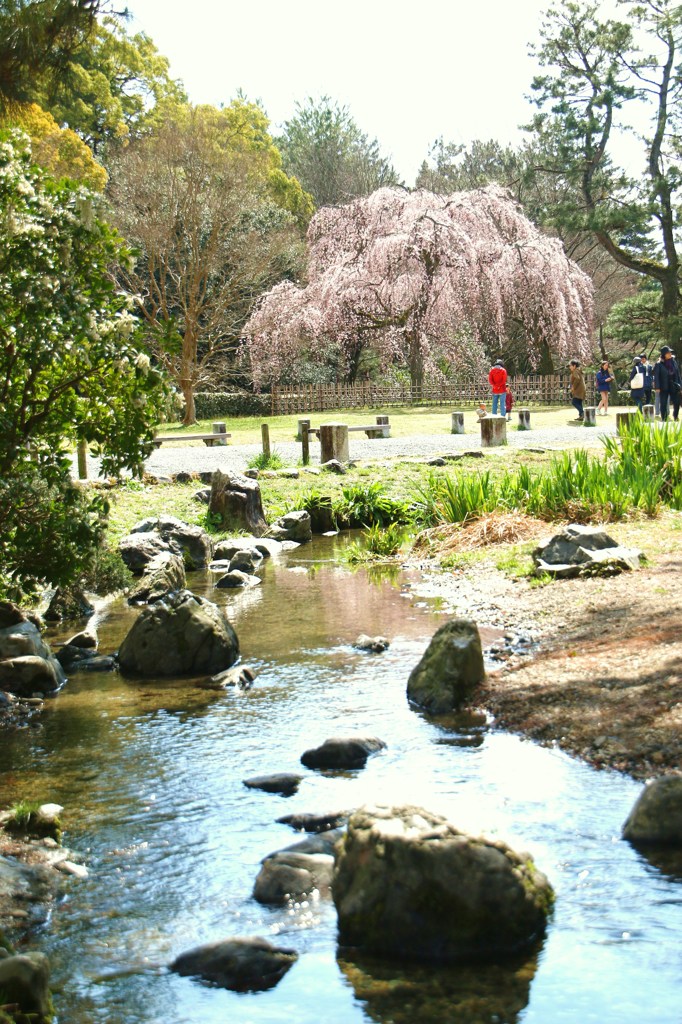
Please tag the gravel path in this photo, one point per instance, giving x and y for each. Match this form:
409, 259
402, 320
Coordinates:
195, 457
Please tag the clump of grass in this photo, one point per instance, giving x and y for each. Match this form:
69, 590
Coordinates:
21, 813
369, 505
379, 542
639, 472
262, 461
319, 507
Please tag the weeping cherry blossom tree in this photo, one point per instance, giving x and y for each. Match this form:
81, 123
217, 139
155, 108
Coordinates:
412, 273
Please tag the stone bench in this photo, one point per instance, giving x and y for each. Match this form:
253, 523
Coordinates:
208, 439
381, 428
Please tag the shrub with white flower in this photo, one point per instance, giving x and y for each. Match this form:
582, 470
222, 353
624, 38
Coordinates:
69, 369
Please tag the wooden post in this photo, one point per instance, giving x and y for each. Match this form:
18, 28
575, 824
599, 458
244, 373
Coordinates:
219, 428
648, 413
590, 416
305, 443
625, 418
334, 442
303, 428
524, 419
457, 422
82, 452
265, 434
493, 431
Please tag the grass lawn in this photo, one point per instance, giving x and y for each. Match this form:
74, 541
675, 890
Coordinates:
133, 501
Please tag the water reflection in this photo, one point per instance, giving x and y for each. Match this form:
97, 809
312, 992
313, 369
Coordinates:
404, 994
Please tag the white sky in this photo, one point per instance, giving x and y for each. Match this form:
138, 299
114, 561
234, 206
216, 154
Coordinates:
408, 72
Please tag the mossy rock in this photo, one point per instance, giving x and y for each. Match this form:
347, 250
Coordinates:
409, 885
450, 669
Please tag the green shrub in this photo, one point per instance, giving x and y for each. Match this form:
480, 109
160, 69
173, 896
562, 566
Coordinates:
107, 572
210, 405
369, 505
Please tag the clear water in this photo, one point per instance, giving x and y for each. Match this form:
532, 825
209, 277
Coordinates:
151, 777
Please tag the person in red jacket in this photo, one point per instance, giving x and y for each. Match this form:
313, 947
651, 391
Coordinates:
497, 378
508, 402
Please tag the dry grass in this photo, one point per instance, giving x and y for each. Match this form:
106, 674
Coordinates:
492, 528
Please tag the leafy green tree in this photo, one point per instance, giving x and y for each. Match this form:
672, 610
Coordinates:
61, 152
116, 86
325, 150
69, 370
216, 222
37, 40
604, 76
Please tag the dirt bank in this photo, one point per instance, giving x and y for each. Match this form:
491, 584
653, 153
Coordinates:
602, 678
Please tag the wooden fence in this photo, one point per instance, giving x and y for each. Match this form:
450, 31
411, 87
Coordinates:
535, 390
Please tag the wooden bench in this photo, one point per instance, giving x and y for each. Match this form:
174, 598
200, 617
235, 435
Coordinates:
208, 439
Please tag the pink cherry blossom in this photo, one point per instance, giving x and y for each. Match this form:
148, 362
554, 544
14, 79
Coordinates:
413, 274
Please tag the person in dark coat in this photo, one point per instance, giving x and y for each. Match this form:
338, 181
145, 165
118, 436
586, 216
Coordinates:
637, 384
648, 372
668, 383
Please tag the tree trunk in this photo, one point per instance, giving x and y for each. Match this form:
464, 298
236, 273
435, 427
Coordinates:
416, 364
671, 309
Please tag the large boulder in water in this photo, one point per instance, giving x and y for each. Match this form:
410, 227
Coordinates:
164, 574
30, 674
450, 669
24, 981
138, 550
243, 965
181, 635
408, 884
656, 818
192, 542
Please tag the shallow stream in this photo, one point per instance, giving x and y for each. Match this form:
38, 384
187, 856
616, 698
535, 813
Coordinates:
151, 777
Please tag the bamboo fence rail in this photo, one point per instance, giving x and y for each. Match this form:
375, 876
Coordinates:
535, 390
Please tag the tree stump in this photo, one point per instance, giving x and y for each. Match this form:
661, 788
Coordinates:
334, 442
648, 413
625, 418
524, 419
457, 423
493, 431
590, 416
236, 500
220, 428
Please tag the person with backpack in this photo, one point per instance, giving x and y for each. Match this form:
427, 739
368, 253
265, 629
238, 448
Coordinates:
497, 378
667, 382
